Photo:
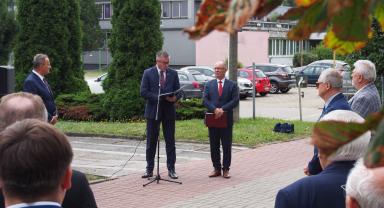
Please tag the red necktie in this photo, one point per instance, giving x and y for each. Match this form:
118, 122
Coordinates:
162, 80
220, 88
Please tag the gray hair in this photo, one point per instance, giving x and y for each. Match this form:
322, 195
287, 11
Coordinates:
19, 106
352, 150
38, 60
366, 68
162, 54
331, 76
363, 185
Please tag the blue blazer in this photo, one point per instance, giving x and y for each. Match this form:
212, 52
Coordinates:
227, 101
33, 84
149, 90
322, 190
337, 103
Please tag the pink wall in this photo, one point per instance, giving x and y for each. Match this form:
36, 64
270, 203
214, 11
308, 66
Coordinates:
252, 47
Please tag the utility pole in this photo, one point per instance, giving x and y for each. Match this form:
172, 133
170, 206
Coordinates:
232, 66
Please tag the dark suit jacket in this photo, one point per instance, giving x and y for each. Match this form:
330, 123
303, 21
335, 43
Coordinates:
33, 84
337, 103
322, 190
149, 90
79, 195
227, 101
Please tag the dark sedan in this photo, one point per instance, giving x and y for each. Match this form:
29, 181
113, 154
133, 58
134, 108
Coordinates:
192, 83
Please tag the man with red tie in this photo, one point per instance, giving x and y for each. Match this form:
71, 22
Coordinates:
221, 96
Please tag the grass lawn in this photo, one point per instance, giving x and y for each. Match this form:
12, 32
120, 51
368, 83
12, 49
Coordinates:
247, 132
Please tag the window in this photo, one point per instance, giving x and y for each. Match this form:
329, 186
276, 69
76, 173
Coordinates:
105, 9
174, 9
284, 47
242, 74
183, 77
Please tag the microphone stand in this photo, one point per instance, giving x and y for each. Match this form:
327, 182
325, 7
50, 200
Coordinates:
158, 177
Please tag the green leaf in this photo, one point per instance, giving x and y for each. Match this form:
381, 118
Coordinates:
352, 23
375, 155
379, 13
340, 46
314, 19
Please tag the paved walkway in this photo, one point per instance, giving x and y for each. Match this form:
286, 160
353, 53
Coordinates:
257, 174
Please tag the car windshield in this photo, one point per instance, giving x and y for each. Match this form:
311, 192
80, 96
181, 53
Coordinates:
199, 77
260, 74
288, 69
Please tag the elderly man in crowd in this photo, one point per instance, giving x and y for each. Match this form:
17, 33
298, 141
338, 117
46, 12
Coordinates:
367, 98
329, 87
19, 106
324, 189
365, 187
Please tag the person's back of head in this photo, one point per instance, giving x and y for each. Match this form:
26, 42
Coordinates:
365, 187
34, 162
18, 106
353, 150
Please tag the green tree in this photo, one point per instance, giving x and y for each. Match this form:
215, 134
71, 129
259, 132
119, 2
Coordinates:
373, 51
135, 39
7, 32
89, 15
48, 27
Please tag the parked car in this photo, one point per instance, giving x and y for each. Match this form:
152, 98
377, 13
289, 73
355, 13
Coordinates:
329, 63
348, 88
206, 70
192, 82
262, 83
312, 72
314, 69
282, 77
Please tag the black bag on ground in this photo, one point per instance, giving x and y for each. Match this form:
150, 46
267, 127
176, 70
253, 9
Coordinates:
284, 128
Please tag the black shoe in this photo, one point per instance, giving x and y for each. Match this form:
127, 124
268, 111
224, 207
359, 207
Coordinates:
147, 174
172, 174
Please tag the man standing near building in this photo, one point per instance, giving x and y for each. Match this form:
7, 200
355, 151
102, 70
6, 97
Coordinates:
221, 96
160, 79
367, 98
38, 85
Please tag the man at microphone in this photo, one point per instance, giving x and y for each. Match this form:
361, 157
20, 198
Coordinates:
160, 79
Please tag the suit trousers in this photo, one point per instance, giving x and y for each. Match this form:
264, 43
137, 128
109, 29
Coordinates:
223, 135
153, 128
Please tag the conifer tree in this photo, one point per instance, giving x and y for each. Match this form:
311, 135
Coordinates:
135, 39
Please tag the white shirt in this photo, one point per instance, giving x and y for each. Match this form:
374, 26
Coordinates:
39, 75
21, 205
165, 74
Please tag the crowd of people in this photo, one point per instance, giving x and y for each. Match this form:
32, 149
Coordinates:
35, 157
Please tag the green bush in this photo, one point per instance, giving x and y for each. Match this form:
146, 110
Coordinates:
81, 107
190, 109
307, 59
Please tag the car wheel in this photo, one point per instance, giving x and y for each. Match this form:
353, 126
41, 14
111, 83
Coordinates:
242, 97
274, 88
263, 94
284, 90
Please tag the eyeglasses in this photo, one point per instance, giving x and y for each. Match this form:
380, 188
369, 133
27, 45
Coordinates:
163, 62
219, 68
318, 84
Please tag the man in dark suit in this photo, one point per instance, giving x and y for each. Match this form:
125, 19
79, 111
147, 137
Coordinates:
367, 98
329, 86
221, 96
325, 189
36, 84
156, 80
35, 168
19, 106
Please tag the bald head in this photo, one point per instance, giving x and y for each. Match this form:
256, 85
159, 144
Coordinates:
220, 69
19, 106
